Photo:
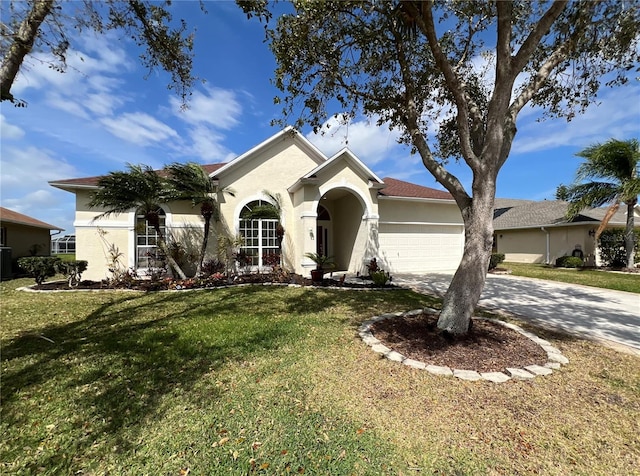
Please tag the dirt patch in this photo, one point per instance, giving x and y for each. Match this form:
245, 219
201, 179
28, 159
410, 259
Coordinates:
488, 347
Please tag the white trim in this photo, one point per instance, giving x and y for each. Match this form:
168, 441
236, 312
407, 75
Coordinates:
348, 154
418, 199
425, 223
346, 185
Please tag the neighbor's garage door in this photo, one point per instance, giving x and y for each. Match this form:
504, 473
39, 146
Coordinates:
421, 248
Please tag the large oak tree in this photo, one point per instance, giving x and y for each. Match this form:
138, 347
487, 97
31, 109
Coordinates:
48, 27
411, 63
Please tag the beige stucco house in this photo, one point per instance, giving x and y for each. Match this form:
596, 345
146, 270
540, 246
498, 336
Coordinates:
529, 231
330, 205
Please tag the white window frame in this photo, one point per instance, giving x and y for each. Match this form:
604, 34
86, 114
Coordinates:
259, 234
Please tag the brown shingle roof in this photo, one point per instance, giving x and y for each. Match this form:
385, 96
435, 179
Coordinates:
9, 216
400, 188
93, 181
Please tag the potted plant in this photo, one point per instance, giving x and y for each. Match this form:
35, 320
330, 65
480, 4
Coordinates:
321, 261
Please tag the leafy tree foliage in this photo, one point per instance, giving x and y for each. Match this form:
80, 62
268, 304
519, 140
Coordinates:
414, 64
48, 26
608, 176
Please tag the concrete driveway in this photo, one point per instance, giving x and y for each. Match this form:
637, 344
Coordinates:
596, 313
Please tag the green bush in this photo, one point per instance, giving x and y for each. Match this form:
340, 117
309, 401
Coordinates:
569, 262
495, 260
72, 270
39, 267
380, 277
612, 249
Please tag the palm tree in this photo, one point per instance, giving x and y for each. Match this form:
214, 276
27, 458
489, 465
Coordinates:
615, 163
141, 189
190, 182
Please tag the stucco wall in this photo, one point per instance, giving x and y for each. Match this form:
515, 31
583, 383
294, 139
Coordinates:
530, 245
24, 239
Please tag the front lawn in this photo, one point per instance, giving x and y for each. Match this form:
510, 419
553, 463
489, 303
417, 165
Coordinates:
273, 380
589, 277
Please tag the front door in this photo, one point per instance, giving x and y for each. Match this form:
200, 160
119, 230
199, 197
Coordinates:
322, 240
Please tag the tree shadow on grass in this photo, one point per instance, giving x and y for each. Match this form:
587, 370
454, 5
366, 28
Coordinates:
117, 364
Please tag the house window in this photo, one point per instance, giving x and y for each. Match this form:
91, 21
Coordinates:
3, 236
147, 252
259, 233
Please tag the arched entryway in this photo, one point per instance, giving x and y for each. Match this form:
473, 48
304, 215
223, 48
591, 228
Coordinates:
340, 228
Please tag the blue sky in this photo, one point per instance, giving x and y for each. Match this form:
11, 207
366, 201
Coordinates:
103, 114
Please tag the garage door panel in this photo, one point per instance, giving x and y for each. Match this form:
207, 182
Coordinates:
420, 248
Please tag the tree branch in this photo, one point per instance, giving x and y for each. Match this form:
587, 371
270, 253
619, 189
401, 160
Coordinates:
424, 20
21, 46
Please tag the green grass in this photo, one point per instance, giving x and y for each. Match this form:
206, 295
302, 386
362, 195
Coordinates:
65, 256
588, 277
271, 380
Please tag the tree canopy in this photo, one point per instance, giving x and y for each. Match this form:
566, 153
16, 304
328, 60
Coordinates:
452, 77
49, 27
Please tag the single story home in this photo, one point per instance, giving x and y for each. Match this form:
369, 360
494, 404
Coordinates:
335, 206
528, 231
22, 235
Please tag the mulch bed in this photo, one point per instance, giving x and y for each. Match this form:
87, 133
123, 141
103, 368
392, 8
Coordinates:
488, 347
172, 284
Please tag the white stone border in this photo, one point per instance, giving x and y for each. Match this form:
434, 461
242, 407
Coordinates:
556, 359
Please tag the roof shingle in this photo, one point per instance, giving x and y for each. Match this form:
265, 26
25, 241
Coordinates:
400, 188
10, 216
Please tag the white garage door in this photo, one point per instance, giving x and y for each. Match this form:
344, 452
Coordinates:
421, 248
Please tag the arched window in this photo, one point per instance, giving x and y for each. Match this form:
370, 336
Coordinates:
258, 227
147, 252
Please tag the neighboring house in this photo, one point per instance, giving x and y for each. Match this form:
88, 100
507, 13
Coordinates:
21, 235
335, 206
529, 231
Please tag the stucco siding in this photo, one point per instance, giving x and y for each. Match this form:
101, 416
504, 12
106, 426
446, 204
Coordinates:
27, 240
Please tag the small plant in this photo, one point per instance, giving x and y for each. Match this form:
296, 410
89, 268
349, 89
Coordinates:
380, 277
495, 260
72, 270
569, 262
321, 261
372, 267
39, 267
212, 266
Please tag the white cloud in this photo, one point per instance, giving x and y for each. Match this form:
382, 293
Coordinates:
30, 168
616, 114
216, 107
9, 131
139, 128
371, 143
208, 146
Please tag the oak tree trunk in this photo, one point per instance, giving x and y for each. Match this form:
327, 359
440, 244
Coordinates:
468, 281
21, 46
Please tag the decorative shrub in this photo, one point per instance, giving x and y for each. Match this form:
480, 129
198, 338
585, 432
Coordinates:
380, 278
213, 266
72, 270
39, 267
612, 249
372, 267
569, 262
495, 260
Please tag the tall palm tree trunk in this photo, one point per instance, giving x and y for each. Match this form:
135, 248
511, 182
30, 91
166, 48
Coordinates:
629, 238
154, 220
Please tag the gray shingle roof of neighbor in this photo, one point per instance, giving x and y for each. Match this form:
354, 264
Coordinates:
513, 213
